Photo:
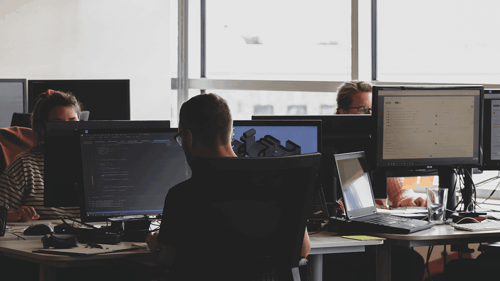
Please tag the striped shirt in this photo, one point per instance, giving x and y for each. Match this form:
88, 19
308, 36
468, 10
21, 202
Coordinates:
21, 184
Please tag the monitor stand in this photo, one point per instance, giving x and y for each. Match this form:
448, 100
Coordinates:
447, 178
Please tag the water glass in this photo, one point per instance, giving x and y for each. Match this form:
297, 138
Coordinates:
436, 204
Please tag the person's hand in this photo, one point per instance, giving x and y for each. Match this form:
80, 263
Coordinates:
24, 213
421, 202
151, 240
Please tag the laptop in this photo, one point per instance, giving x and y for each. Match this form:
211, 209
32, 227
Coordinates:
359, 201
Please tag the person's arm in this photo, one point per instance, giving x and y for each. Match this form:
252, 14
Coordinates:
10, 189
306, 245
26, 213
165, 252
400, 197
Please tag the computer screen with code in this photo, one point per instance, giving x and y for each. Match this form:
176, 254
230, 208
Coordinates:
129, 174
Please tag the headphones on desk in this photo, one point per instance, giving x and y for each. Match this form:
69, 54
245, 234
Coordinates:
49, 240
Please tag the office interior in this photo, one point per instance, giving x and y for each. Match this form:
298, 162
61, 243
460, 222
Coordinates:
173, 50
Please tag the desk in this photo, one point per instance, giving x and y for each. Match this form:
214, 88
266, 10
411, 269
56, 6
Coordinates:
14, 247
331, 243
437, 235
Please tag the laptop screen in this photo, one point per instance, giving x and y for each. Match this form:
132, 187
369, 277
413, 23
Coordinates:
355, 184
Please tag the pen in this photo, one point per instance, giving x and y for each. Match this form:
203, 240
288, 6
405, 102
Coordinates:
94, 245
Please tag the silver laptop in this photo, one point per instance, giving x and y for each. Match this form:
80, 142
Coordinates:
359, 201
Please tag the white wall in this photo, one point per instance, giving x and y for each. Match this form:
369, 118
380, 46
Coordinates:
92, 39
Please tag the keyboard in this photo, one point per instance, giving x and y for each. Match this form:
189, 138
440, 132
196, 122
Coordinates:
478, 226
393, 224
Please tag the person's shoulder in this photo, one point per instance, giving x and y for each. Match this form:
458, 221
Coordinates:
182, 187
35, 152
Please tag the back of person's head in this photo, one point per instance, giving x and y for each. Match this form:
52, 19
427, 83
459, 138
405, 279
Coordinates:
209, 119
44, 103
347, 89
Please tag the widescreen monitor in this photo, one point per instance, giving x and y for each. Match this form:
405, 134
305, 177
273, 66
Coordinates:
339, 133
264, 138
491, 130
63, 164
427, 126
105, 99
128, 173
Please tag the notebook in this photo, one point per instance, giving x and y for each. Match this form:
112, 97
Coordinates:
359, 201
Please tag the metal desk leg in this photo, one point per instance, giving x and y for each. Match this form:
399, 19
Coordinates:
316, 263
383, 262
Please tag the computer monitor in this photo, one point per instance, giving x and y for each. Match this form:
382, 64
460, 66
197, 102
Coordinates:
266, 138
340, 133
63, 164
427, 126
127, 174
13, 99
105, 99
491, 130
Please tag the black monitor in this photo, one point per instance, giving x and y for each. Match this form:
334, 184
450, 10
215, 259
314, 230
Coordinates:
340, 133
427, 126
266, 138
127, 173
105, 99
63, 165
491, 130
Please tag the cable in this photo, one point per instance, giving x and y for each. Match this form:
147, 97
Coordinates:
429, 251
491, 194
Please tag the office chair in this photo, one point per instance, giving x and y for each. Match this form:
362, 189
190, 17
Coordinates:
14, 140
21, 120
252, 218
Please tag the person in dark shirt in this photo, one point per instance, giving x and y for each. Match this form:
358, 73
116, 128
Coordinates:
205, 130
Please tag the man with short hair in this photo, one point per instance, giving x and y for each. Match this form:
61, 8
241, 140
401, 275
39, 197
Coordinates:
205, 130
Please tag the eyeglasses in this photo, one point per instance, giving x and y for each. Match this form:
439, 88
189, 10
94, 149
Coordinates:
362, 109
178, 138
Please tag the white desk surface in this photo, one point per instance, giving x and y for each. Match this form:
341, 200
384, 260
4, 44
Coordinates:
13, 246
328, 243
440, 235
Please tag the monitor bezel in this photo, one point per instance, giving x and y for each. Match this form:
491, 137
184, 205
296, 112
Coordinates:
83, 209
488, 164
70, 131
112, 103
290, 123
425, 163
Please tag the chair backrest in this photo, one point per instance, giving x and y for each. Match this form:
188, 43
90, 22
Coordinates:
14, 140
254, 210
21, 120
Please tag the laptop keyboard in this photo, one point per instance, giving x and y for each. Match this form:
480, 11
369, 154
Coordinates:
393, 221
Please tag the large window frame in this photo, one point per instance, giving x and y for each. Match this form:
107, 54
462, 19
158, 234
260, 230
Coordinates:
182, 83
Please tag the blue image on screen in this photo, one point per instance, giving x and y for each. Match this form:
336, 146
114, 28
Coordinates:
268, 141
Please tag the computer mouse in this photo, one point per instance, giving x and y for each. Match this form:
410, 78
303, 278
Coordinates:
38, 229
64, 229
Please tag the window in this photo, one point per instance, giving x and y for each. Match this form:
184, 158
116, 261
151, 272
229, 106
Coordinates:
263, 110
438, 41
